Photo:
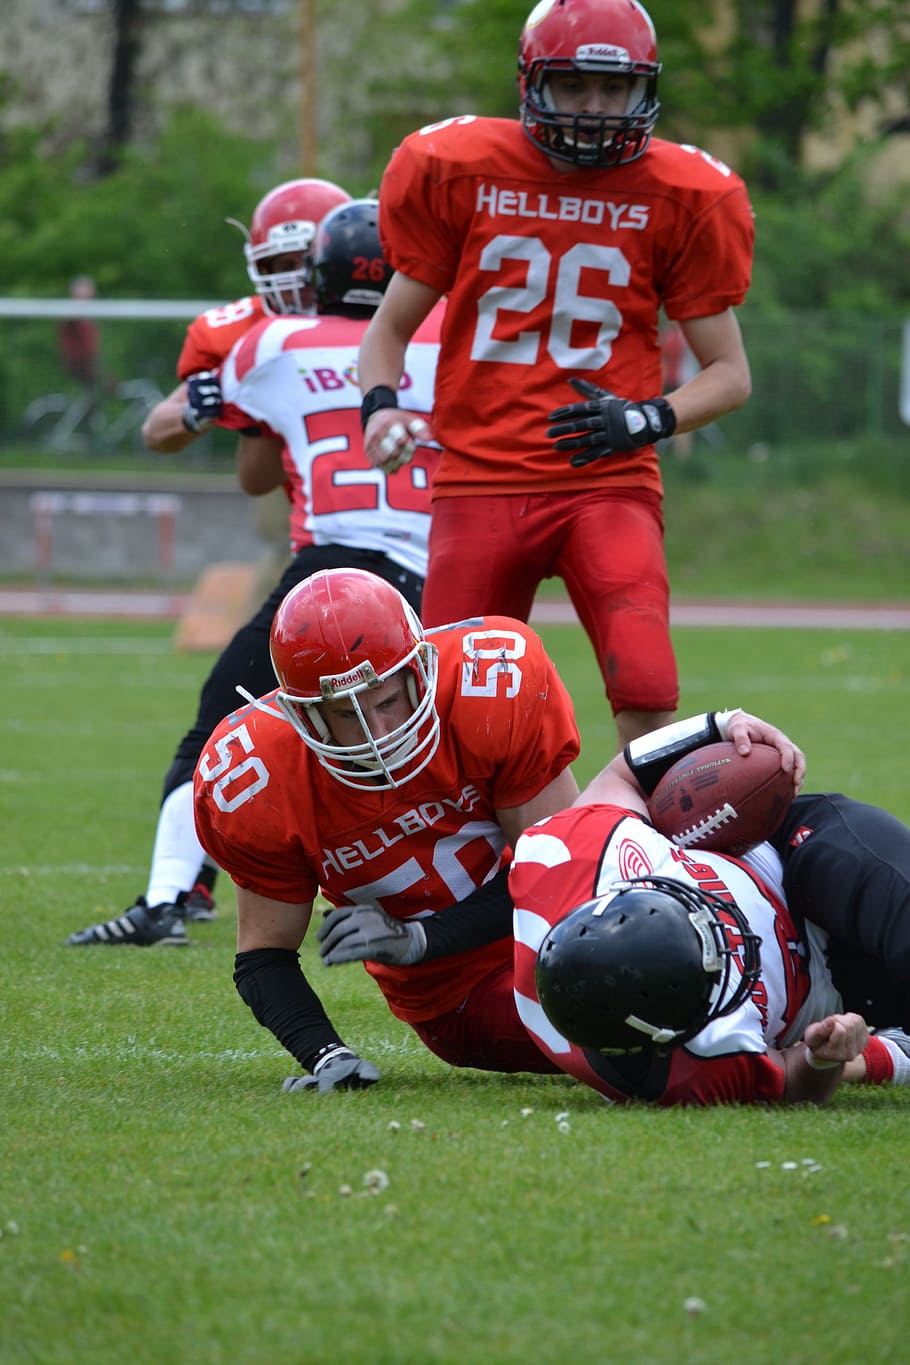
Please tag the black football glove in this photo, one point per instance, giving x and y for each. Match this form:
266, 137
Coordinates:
204, 403
342, 1069
360, 933
605, 424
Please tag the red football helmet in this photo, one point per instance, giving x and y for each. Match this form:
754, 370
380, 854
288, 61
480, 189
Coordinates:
285, 221
335, 635
605, 37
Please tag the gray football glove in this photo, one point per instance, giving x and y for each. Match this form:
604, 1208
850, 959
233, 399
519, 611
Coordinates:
340, 1070
605, 424
361, 933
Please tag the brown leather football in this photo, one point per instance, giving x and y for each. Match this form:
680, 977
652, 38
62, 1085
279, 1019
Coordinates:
716, 798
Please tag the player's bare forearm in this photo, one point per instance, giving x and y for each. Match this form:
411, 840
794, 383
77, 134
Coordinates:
405, 304
163, 429
815, 1067
390, 432
632, 775
723, 383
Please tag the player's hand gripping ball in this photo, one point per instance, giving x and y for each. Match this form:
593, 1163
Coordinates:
718, 799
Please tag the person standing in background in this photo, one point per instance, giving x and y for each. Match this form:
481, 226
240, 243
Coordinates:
79, 345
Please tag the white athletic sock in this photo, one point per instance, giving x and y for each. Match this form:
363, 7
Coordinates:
178, 854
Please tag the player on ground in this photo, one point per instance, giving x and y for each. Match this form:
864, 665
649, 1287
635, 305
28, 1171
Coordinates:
557, 240
392, 772
297, 375
649, 972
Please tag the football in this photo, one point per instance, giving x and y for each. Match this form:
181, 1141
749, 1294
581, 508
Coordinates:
718, 799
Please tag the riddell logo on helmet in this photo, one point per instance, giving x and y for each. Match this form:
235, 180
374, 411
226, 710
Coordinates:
343, 682
601, 52
282, 232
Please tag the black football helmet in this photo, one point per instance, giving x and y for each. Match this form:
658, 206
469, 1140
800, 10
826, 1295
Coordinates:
646, 964
349, 270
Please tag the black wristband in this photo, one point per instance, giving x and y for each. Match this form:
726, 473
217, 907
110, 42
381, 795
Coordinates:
380, 396
270, 982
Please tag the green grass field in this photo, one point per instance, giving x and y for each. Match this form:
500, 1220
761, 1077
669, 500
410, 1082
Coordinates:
164, 1204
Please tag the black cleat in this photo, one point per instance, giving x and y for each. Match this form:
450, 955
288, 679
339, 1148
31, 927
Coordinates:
141, 926
197, 904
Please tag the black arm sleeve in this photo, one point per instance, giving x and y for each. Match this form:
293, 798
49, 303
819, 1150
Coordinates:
270, 981
482, 917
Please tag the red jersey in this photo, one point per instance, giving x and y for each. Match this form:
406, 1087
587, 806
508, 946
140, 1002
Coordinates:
210, 336
575, 856
283, 827
551, 275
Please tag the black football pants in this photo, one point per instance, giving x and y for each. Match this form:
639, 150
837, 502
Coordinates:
847, 868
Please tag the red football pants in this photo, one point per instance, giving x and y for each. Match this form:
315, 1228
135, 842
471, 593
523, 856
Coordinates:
485, 1031
488, 556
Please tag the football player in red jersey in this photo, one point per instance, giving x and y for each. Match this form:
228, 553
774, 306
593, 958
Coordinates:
298, 376
687, 977
278, 251
392, 770
557, 240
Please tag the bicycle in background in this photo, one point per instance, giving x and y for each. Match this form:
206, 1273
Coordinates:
106, 419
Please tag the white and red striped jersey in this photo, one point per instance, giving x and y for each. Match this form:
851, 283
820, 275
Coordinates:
298, 376
576, 856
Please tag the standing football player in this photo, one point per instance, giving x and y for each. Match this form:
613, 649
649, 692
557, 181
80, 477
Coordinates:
298, 376
278, 251
557, 240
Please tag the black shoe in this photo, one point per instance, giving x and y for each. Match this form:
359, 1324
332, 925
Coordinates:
197, 904
141, 926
